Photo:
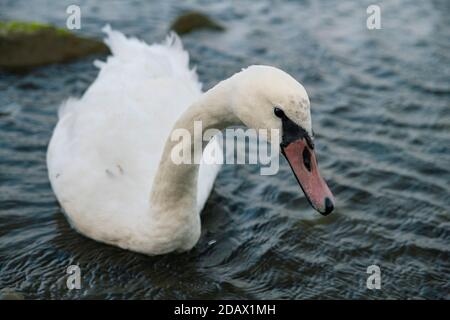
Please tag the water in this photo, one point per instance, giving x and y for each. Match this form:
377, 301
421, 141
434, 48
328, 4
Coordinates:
381, 113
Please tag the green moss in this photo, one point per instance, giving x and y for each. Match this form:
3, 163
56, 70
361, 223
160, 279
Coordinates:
28, 27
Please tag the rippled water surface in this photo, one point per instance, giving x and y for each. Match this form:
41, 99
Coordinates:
381, 114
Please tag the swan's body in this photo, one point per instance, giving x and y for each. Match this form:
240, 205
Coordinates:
108, 159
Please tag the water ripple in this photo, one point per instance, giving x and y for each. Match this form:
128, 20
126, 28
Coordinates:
380, 104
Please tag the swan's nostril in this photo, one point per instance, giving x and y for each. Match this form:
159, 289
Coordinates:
307, 159
328, 206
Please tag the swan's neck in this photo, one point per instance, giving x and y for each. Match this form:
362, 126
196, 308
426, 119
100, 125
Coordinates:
175, 185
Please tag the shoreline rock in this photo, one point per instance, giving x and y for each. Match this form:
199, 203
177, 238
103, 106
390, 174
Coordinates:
10, 294
27, 45
193, 20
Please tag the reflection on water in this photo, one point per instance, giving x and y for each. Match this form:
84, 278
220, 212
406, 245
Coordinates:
381, 112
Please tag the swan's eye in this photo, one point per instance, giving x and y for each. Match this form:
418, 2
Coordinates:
278, 112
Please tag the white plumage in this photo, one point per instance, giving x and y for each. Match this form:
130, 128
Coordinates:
106, 147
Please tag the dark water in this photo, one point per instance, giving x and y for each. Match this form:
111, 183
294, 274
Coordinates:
381, 112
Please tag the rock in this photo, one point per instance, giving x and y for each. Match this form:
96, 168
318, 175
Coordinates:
191, 21
10, 294
25, 45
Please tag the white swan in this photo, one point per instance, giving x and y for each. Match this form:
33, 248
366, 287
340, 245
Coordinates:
109, 157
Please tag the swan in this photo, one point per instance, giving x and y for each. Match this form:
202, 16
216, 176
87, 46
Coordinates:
109, 159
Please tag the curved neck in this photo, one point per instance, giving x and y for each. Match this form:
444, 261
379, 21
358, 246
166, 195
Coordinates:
175, 185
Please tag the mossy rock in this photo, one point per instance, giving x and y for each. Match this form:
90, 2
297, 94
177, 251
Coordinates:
26, 45
191, 21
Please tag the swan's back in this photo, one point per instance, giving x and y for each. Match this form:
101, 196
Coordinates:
106, 147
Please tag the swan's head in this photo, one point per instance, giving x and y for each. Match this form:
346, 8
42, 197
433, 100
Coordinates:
268, 98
